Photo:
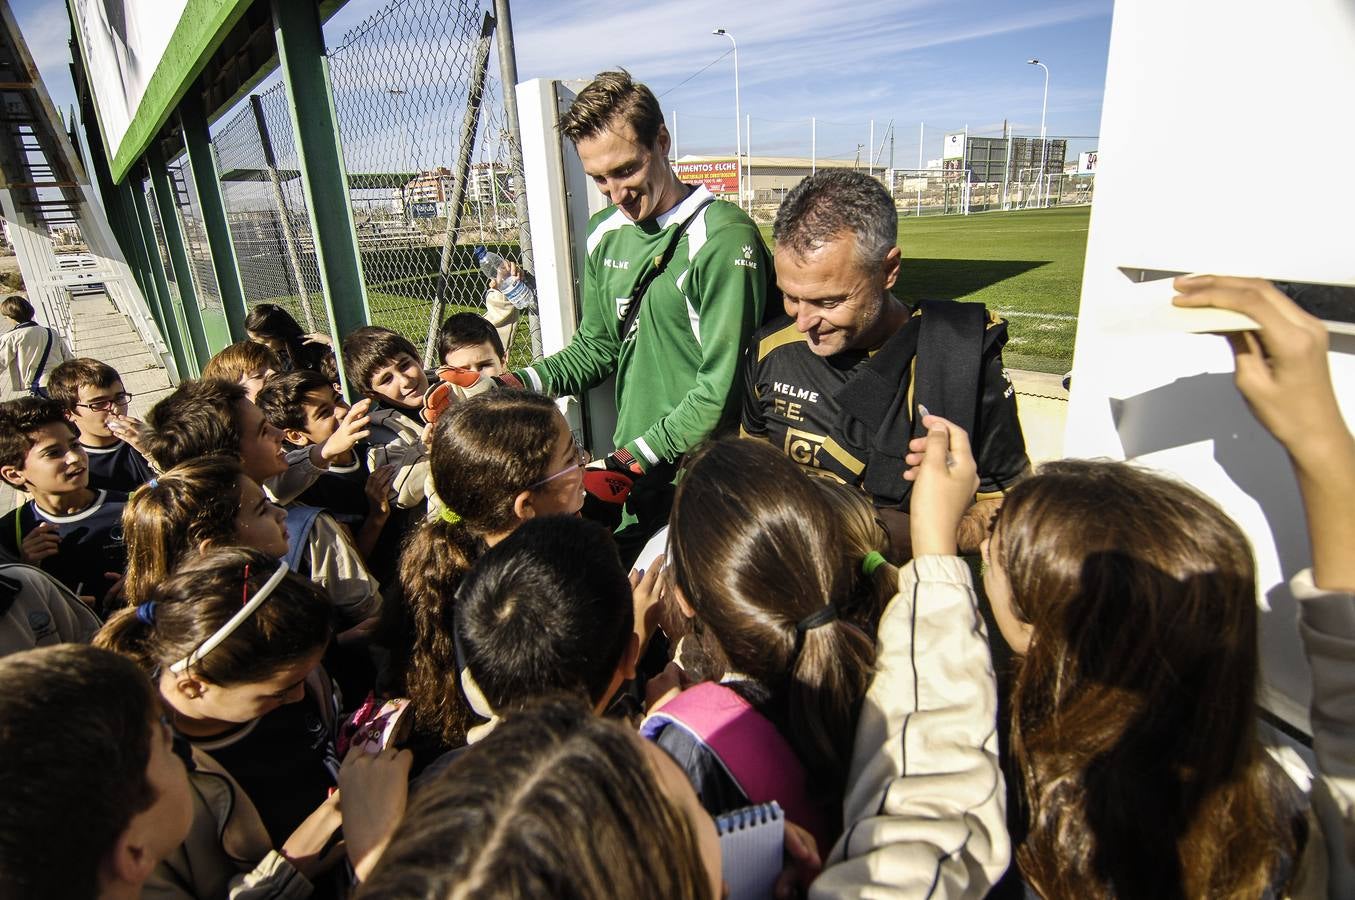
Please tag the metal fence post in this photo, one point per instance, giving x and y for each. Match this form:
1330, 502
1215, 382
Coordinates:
508, 75
168, 207
469, 126
310, 102
284, 217
201, 161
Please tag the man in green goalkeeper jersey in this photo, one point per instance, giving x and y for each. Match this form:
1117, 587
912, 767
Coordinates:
677, 364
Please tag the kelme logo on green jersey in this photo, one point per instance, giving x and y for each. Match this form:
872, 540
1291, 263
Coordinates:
747, 261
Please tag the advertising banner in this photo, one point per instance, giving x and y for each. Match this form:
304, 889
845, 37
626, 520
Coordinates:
123, 44
1086, 162
720, 176
953, 148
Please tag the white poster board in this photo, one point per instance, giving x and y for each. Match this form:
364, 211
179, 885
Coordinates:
1248, 82
123, 43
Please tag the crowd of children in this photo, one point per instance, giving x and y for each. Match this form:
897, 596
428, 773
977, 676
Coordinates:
271, 643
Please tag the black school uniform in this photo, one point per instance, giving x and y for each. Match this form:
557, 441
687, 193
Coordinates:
285, 761
117, 468
341, 490
91, 543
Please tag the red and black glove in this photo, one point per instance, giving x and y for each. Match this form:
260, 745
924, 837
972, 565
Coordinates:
607, 488
455, 384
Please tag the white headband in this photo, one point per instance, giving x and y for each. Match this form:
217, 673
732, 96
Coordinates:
234, 622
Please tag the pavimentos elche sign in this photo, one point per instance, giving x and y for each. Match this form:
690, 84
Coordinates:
720, 176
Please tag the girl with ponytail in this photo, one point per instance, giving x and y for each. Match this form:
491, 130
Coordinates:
497, 459
209, 502
232, 641
759, 563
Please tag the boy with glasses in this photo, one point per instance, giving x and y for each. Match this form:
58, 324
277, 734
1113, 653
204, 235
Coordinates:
96, 404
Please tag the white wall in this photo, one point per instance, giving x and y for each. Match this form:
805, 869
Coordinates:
1224, 137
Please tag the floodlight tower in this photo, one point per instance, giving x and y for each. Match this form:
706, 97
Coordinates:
1044, 144
738, 138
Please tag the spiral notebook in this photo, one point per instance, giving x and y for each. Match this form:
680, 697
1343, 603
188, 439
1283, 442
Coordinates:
752, 841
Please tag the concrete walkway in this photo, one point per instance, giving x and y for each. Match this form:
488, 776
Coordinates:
99, 331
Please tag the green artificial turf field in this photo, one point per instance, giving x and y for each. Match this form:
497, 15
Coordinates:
1026, 265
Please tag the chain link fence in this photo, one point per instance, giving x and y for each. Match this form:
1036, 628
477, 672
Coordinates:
195, 235
266, 208
428, 153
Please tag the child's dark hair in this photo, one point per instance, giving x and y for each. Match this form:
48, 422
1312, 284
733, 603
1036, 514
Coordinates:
549, 608
272, 321
756, 549
199, 418
465, 329
486, 450
19, 419
195, 502
17, 308
283, 399
181, 612
76, 741
66, 379
368, 349
269, 320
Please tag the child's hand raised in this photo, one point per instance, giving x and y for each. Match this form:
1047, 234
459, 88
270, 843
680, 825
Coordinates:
375, 789
647, 592
39, 544
128, 430
352, 428
1282, 368
378, 491
945, 477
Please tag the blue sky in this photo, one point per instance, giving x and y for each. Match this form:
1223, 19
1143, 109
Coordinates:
946, 63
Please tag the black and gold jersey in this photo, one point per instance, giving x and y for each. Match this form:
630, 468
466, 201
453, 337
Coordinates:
791, 397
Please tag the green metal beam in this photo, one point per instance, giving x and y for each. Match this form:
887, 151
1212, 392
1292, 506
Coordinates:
315, 124
168, 206
169, 324
134, 250
202, 161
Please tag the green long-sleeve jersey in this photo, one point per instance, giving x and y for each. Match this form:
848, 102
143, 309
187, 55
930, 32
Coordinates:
677, 369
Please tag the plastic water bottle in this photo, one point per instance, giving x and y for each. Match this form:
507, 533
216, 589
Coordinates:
511, 286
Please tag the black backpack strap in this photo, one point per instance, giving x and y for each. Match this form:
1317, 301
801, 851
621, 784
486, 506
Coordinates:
42, 364
945, 353
660, 263
950, 361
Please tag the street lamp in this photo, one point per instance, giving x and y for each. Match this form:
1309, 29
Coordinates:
738, 120
1044, 144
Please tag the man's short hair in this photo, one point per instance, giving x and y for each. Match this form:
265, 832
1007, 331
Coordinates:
241, 359
465, 329
66, 379
368, 349
609, 98
200, 417
829, 204
283, 398
77, 737
19, 419
17, 308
